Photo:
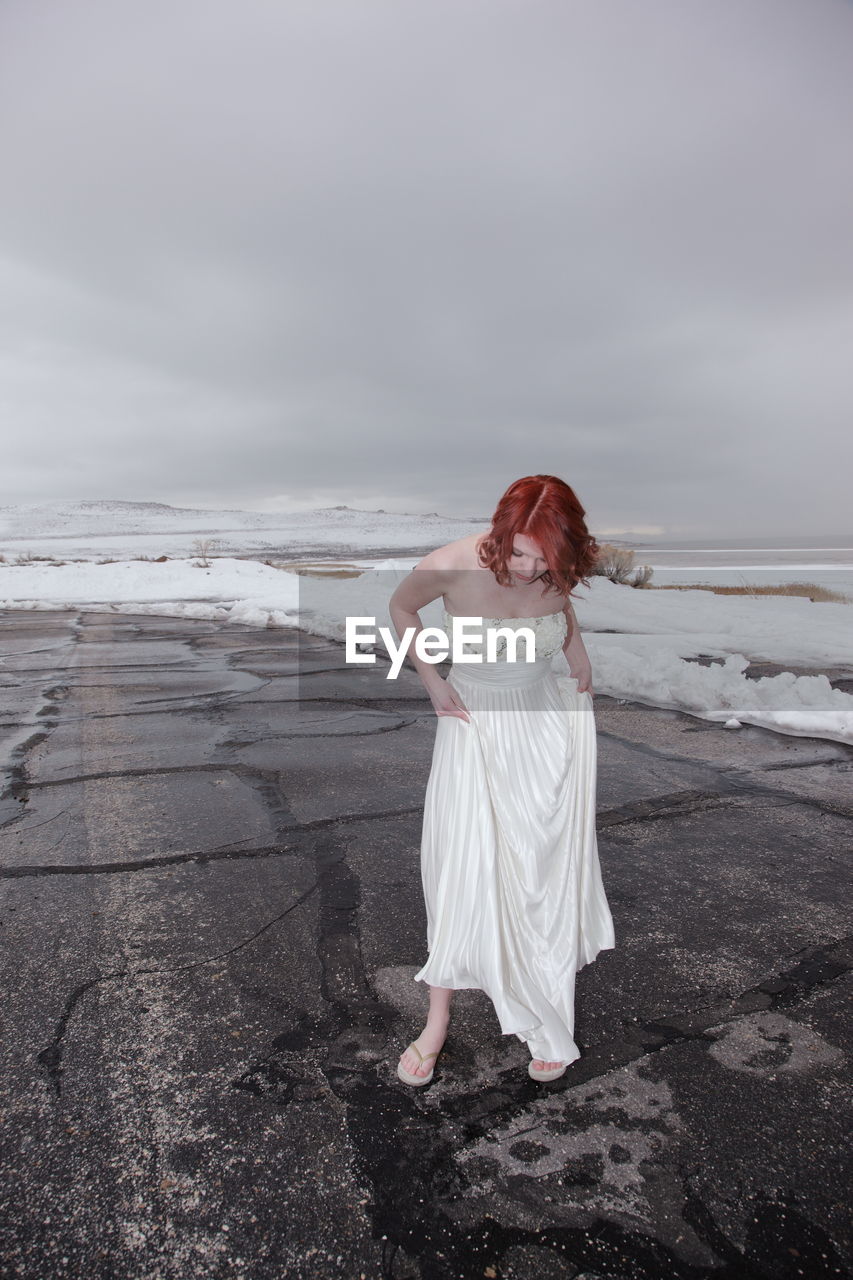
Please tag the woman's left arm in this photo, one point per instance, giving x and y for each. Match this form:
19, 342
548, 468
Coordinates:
576, 654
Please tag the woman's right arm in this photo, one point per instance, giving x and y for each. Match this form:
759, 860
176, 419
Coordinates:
423, 585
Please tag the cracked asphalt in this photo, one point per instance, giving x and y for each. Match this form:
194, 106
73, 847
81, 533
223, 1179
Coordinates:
211, 917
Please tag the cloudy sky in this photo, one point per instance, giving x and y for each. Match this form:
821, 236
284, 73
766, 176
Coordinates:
396, 253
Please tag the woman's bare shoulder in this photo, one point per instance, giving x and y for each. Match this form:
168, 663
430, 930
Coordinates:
461, 554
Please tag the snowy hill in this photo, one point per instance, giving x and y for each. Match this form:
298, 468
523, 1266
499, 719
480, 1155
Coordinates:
98, 529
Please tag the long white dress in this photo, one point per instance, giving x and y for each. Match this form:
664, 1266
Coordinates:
509, 857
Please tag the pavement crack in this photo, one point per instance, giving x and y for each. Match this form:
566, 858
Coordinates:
734, 780
821, 803
51, 1056
234, 744
34, 826
675, 757
777, 766
351, 819
155, 771
228, 854
677, 802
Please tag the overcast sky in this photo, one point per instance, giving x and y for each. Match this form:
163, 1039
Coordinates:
397, 253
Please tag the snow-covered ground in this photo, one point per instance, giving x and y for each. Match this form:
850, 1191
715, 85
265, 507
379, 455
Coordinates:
640, 642
122, 530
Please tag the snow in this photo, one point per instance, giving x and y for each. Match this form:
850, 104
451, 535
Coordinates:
643, 643
789, 629
802, 705
125, 529
229, 590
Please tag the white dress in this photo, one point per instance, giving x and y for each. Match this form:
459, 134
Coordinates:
509, 858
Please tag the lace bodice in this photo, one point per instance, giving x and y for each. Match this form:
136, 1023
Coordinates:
549, 630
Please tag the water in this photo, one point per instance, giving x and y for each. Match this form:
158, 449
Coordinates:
827, 562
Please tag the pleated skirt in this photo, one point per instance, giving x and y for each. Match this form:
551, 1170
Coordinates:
509, 858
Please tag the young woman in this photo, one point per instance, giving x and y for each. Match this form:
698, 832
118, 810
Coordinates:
509, 860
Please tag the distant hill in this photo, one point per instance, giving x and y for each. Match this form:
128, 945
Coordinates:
90, 528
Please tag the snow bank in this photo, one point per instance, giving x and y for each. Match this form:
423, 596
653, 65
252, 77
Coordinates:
774, 628
228, 591
641, 644
801, 705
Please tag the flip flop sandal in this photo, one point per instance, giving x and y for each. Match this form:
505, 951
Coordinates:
407, 1077
538, 1073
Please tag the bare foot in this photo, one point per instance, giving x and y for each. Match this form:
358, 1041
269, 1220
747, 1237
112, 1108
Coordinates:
540, 1065
430, 1040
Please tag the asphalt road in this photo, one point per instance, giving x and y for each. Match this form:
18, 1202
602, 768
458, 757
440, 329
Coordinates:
211, 915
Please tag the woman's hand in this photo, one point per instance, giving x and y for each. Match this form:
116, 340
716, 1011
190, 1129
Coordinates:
577, 657
446, 700
582, 672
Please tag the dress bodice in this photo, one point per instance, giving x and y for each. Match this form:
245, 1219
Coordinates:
549, 632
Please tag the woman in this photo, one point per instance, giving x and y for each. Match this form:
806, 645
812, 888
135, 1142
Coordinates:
509, 859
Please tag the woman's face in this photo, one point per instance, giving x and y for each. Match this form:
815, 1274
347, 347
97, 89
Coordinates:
526, 561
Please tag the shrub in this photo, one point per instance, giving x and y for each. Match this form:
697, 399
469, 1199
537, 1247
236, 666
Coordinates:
204, 548
642, 575
617, 564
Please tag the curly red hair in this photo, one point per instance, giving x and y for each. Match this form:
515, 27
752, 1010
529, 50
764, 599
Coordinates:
545, 509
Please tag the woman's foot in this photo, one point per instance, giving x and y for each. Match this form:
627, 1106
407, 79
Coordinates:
418, 1061
539, 1069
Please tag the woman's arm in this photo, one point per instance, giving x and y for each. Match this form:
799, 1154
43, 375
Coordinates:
424, 584
576, 654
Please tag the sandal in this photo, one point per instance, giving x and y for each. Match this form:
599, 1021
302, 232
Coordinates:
539, 1073
407, 1077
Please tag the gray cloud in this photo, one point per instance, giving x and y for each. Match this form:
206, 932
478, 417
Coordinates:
405, 253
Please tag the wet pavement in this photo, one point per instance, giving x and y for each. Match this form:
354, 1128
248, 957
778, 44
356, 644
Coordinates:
211, 918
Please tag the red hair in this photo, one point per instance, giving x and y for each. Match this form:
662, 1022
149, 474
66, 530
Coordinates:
545, 509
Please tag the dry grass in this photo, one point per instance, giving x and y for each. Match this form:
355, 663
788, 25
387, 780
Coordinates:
29, 557
808, 589
320, 569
